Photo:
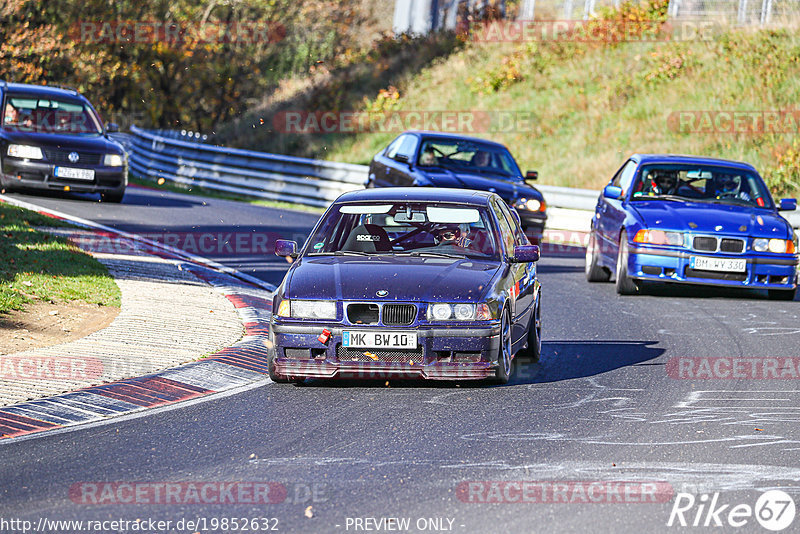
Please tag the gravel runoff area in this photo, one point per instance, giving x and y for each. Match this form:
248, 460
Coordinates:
168, 317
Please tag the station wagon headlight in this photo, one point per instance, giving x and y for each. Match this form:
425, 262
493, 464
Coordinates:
113, 160
459, 312
307, 309
25, 151
659, 237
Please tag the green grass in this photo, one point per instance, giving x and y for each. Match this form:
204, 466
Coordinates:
35, 265
595, 104
211, 193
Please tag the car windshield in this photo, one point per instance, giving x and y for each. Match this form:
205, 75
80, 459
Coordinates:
29, 113
702, 183
467, 156
408, 229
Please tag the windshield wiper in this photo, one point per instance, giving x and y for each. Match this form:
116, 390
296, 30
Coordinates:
431, 254
489, 171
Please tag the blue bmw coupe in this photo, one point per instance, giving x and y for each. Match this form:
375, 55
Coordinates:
693, 220
408, 283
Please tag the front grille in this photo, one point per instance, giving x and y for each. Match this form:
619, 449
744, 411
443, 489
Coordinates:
731, 245
705, 243
399, 314
714, 275
362, 313
347, 354
62, 157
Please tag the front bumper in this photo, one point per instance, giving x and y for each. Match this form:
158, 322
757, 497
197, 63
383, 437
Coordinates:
41, 175
456, 353
763, 271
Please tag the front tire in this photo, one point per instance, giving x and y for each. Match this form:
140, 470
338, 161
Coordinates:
504, 356
113, 197
781, 294
594, 273
625, 284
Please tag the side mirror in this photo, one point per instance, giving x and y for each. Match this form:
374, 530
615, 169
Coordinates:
526, 254
284, 247
402, 158
613, 192
788, 204
112, 127
532, 175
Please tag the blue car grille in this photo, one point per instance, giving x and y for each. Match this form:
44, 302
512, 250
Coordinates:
346, 354
714, 244
399, 314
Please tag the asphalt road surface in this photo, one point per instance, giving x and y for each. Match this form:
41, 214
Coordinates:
607, 405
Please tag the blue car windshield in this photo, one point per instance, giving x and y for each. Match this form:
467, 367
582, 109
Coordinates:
462, 155
406, 229
701, 183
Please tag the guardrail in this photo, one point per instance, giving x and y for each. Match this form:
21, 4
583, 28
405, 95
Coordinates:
283, 178
245, 172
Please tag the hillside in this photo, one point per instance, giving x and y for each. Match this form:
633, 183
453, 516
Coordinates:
582, 107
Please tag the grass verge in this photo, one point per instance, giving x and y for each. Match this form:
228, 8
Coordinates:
35, 265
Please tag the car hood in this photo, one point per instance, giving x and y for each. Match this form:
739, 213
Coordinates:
405, 278
93, 143
510, 190
699, 217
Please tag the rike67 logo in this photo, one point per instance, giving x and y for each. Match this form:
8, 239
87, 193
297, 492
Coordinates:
774, 510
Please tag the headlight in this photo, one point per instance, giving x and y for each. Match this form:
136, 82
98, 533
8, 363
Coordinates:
776, 246
113, 160
307, 309
25, 151
459, 312
529, 204
659, 237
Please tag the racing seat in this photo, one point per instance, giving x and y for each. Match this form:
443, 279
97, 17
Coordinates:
368, 238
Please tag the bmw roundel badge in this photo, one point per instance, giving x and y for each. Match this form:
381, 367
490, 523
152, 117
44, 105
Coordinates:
381, 292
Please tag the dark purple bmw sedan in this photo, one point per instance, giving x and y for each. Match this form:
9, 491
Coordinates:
408, 283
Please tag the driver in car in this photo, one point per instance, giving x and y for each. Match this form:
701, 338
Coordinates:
450, 235
729, 186
427, 157
663, 183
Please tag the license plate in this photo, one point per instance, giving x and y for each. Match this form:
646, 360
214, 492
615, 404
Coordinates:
718, 264
76, 174
379, 340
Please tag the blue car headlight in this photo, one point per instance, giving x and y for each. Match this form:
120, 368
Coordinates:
459, 312
776, 246
659, 237
307, 309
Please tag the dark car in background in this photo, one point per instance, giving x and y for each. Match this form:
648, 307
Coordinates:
53, 139
408, 283
434, 159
